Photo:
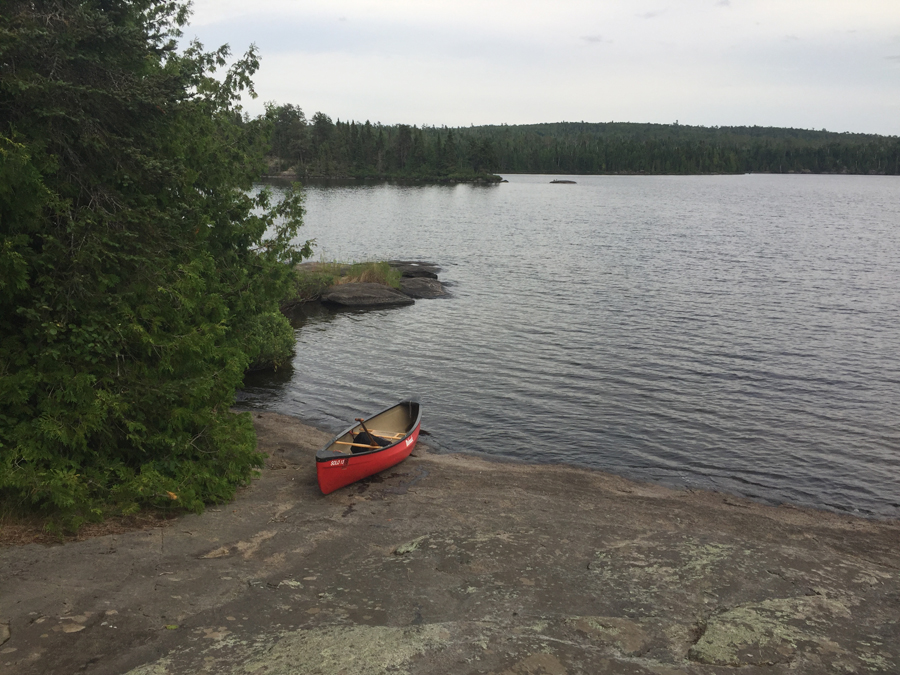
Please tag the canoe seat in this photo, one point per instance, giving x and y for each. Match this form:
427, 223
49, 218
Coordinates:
364, 439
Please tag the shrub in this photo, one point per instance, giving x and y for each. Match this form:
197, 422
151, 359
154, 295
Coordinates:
274, 335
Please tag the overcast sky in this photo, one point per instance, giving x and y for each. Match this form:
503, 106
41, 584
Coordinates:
811, 64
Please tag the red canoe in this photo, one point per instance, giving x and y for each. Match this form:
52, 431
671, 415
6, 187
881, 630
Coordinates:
348, 458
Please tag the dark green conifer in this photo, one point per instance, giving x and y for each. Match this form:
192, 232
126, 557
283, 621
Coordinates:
135, 262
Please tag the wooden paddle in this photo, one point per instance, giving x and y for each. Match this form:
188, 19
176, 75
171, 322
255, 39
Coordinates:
370, 434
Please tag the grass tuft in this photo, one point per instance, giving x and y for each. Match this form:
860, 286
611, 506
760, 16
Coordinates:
311, 280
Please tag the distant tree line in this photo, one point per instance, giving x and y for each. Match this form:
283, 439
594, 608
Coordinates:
319, 147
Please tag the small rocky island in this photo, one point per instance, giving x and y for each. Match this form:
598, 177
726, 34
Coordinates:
417, 280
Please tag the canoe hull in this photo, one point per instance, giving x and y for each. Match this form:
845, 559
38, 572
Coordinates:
336, 469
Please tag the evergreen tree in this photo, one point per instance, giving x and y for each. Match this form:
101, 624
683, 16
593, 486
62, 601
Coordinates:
138, 273
451, 154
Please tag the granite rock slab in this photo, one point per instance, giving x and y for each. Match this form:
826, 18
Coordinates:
362, 294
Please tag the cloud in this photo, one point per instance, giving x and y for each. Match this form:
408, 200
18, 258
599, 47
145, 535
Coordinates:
461, 61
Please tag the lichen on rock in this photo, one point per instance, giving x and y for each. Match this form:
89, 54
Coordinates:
362, 650
409, 546
627, 636
764, 633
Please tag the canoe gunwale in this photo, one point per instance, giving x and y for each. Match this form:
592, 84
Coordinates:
327, 454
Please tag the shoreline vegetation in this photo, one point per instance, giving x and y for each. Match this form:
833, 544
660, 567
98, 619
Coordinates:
310, 282
312, 279
319, 148
140, 274
364, 284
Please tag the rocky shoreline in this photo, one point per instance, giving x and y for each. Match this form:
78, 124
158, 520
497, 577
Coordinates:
451, 564
419, 280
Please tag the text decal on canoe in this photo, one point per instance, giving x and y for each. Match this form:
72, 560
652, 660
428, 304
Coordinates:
409, 441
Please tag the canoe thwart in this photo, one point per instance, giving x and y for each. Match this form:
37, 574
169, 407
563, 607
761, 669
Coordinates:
386, 434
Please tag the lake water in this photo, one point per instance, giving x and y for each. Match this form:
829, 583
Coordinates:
736, 333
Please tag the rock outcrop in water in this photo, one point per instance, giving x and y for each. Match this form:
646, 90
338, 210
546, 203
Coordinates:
362, 294
420, 287
419, 281
412, 269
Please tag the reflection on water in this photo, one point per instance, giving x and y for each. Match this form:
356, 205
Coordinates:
312, 313
728, 332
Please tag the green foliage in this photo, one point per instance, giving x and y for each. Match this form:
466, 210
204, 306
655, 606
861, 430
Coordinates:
627, 148
371, 272
309, 284
133, 259
351, 149
273, 334
312, 279
323, 148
